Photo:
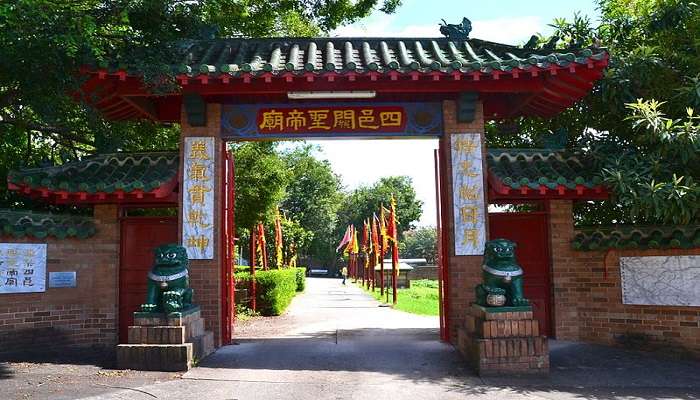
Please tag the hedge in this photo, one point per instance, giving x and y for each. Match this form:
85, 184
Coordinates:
274, 289
301, 279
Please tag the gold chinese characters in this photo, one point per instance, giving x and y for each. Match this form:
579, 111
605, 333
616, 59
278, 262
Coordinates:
198, 186
327, 119
469, 197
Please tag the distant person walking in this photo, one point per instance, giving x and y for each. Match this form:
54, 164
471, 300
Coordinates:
344, 272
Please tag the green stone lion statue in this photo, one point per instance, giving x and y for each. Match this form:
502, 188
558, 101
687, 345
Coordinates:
503, 277
168, 281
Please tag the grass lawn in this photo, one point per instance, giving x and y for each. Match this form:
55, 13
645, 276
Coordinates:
422, 298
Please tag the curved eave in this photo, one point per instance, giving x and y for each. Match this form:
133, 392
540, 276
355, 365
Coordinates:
499, 192
164, 194
539, 90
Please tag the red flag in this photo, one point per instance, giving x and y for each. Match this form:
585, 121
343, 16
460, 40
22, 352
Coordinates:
365, 236
375, 239
345, 240
278, 240
391, 229
261, 247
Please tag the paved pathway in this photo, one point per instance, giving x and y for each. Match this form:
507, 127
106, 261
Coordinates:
336, 343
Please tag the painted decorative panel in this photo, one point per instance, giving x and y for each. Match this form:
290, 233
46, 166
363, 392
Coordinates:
22, 268
661, 280
198, 197
468, 194
314, 120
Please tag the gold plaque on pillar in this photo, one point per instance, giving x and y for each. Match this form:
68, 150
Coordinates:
468, 194
198, 197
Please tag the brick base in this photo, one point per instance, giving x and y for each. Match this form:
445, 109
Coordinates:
158, 343
503, 342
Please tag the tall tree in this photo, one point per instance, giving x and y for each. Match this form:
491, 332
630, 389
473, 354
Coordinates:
635, 122
313, 198
261, 179
44, 43
362, 202
420, 243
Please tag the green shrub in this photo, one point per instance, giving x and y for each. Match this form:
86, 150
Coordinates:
274, 289
301, 279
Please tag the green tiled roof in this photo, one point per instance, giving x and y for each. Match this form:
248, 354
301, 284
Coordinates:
536, 169
637, 237
40, 225
299, 55
104, 173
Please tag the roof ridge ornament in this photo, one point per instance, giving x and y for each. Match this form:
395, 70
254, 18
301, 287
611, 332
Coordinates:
456, 31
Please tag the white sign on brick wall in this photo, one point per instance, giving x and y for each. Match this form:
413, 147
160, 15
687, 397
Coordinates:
661, 280
198, 197
468, 194
22, 268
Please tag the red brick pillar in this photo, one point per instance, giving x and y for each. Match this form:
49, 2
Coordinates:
205, 275
564, 274
104, 253
464, 272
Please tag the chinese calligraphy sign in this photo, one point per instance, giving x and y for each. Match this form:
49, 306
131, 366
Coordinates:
468, 194
22, 268
337, 120
198, 198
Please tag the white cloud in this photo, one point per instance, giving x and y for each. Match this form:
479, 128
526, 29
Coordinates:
509, 30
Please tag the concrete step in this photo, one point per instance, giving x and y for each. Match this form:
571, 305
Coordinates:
203, 345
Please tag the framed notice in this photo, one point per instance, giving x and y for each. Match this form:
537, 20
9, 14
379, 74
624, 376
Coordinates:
22, 268
468, 194
661, 280
198, 197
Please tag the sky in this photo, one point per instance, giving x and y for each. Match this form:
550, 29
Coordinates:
363, 162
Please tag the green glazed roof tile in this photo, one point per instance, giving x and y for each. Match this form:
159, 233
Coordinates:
40, 225
517, 168
103, 173
636, 237
299, 55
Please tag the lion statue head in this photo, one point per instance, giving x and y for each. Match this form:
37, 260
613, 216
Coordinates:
171, 255
500, 251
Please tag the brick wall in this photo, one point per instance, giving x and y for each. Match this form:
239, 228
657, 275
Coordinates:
82, 316
588, 303
205, 275
464, 272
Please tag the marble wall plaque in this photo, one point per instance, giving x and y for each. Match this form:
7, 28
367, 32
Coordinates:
468, 194
22, 268
661, 280
198, 197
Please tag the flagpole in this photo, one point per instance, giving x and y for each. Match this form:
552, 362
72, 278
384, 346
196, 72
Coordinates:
381, 265
394, 266
253, 256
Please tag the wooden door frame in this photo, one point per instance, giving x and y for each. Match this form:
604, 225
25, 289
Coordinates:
548, 256
124, 219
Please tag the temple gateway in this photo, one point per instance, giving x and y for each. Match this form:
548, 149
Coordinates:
89, 272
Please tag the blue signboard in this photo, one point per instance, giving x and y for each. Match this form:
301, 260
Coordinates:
330, 120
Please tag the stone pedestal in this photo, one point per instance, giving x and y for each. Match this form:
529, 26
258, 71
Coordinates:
160, 342
503, 340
